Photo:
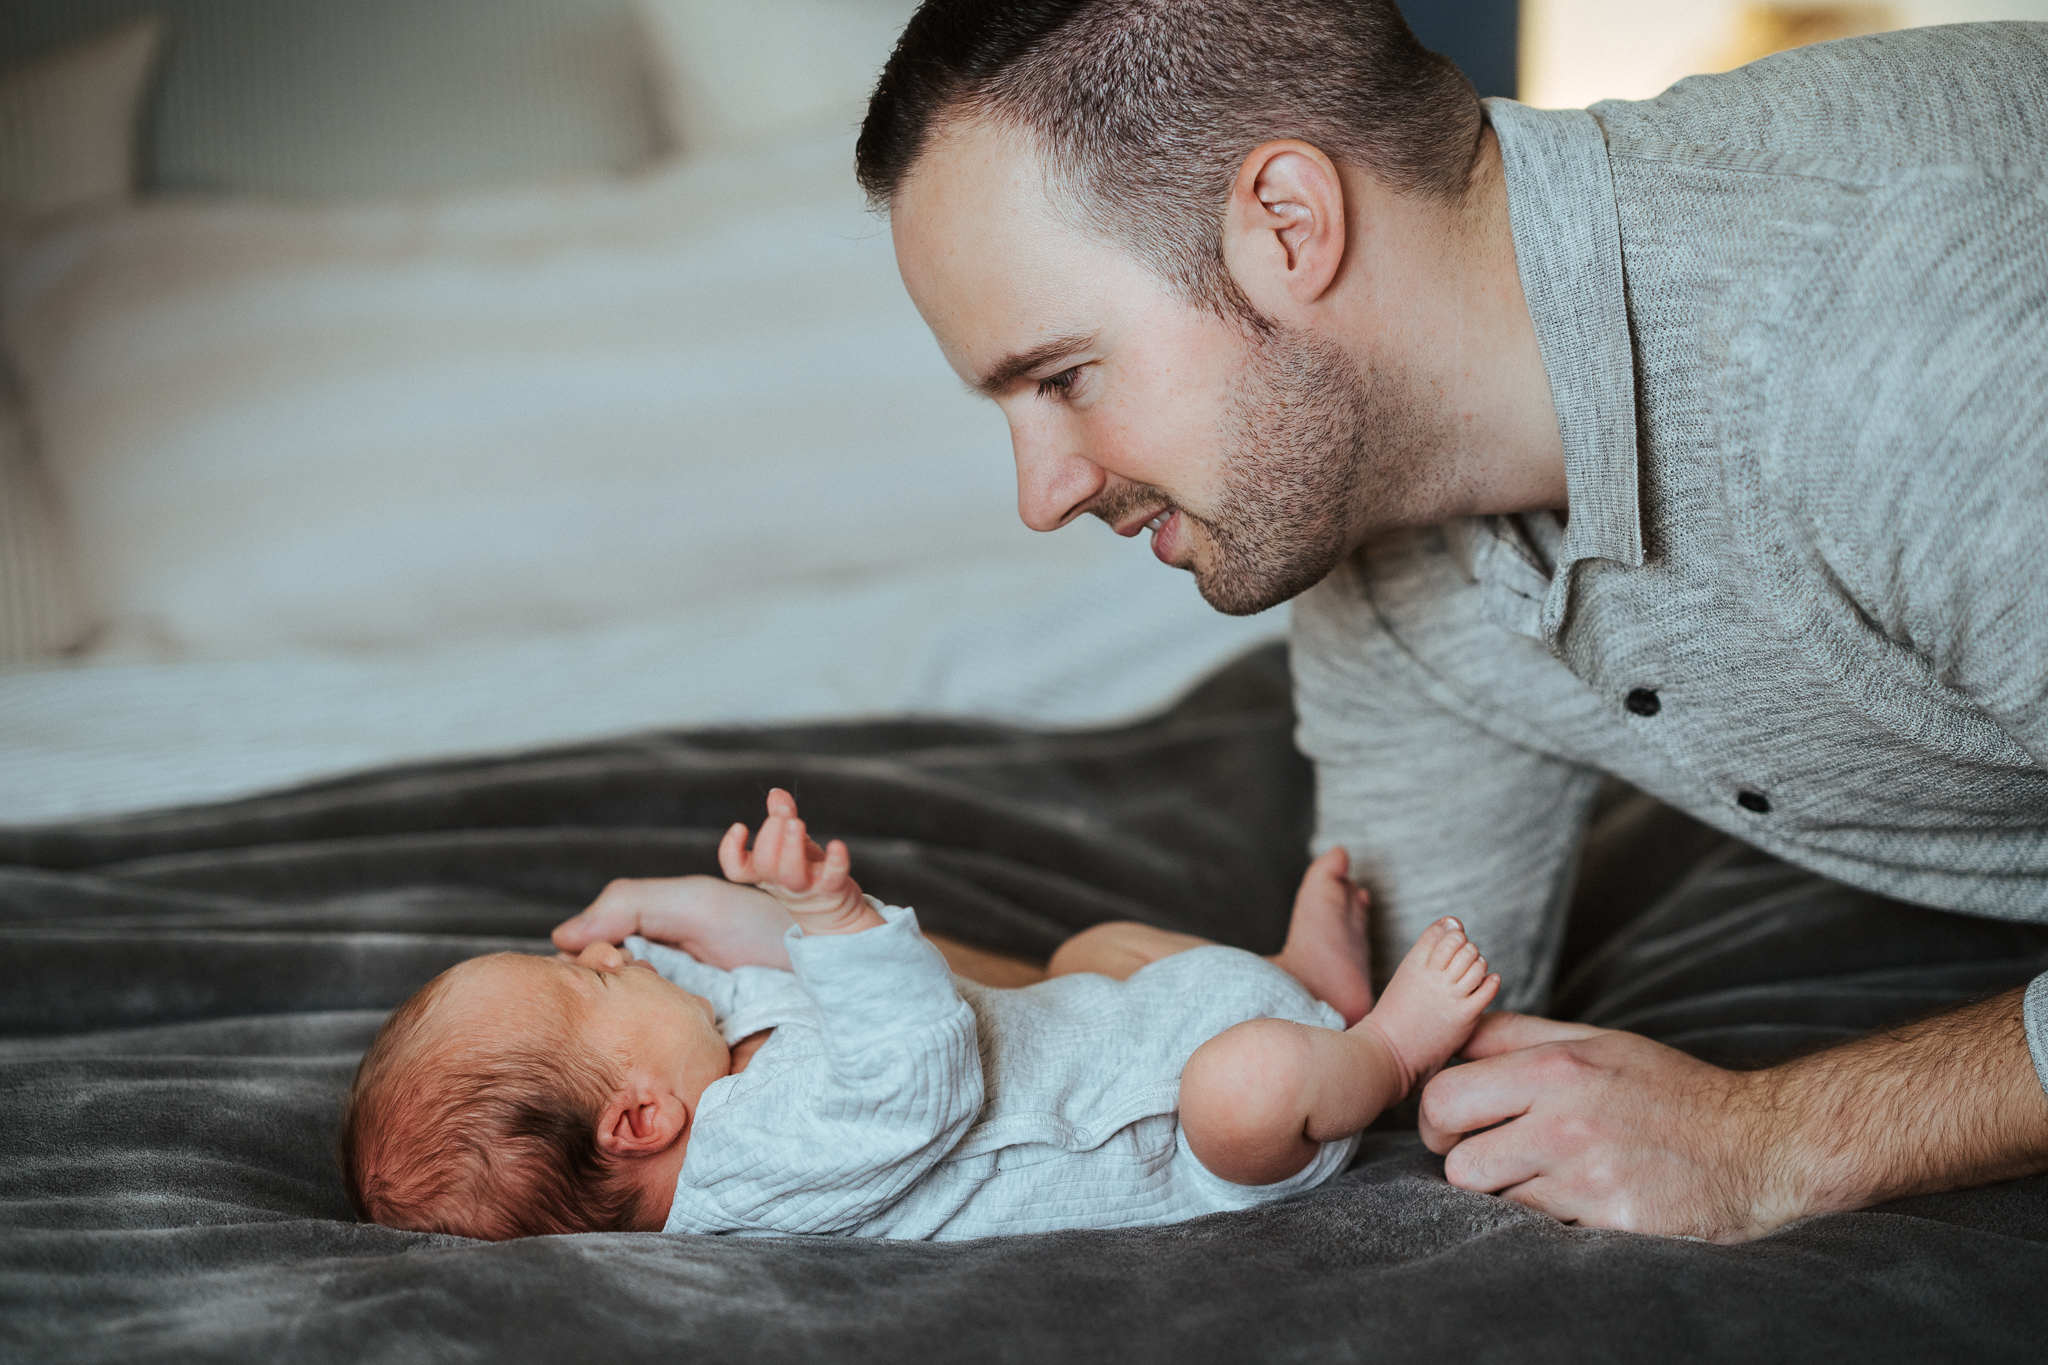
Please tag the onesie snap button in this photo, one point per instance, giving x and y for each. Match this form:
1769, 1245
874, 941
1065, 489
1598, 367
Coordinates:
1755, 801
1643, 702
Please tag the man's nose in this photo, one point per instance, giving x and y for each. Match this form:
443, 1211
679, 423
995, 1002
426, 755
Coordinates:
1055, 483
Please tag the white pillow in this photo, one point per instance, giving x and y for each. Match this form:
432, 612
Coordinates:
39, 613
729, 76
68, 123
396, 423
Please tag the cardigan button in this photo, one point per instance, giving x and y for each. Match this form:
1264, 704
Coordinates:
1755, 801
1643, 702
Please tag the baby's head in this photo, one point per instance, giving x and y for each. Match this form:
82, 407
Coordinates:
518, 1096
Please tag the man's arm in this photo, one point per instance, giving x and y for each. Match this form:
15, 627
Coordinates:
1612, 1130
713, 920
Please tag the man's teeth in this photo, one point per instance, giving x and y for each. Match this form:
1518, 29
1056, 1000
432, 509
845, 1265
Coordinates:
1156, 522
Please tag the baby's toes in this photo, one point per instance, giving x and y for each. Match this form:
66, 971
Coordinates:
1474, 973
1482, 994
1439, 942
1461, 960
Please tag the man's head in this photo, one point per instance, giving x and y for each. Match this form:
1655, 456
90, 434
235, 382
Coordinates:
519, 1096
1139, 226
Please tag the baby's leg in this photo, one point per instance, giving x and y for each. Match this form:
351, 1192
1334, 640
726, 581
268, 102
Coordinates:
985, 966
1118, 948
1326, 948
1257, 1100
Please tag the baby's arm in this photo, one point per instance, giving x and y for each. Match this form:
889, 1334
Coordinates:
734, 923
815, 885
852, 1116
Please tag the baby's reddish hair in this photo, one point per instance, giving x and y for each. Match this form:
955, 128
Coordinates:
487, 1132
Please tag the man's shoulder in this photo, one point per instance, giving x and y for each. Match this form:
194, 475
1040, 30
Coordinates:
1915, 337
1896, 399
1962, 94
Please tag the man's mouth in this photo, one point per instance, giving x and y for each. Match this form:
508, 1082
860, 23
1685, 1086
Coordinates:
1144, 519
1167, 524
1168, 529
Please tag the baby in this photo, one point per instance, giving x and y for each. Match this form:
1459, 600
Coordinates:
840, 1080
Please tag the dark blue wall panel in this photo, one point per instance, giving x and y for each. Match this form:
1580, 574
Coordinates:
1479, 35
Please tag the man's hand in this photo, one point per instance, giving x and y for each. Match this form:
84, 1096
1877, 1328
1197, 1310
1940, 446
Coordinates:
1602, 1128
709, 918
814, 884
1612, 1130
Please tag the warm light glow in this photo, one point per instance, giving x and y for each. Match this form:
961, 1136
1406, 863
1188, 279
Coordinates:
1577, 51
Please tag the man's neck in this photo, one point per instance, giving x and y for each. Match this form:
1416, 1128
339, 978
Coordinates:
1439, 290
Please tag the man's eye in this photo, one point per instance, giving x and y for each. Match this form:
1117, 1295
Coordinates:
1058, 385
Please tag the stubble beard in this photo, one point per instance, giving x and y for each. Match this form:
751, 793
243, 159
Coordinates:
1316, 454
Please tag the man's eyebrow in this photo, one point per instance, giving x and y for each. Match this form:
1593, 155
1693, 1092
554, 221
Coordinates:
1011, 368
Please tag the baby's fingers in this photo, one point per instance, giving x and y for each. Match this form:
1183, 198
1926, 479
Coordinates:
793, 864
732, 856
838, 866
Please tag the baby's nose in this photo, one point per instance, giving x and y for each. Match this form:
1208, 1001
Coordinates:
602, 954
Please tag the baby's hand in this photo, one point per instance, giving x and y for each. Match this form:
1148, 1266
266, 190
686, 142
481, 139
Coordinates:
814, 884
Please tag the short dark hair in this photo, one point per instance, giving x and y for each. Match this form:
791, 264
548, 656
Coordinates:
483, 1138
1146, 109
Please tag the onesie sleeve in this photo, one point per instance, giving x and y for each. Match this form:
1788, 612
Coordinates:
824, 1142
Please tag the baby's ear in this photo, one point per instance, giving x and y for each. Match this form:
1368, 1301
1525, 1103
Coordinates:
641, 1121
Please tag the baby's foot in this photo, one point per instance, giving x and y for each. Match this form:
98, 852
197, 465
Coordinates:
1326, 949
1434, 1001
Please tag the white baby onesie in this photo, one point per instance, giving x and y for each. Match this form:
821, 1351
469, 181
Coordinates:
897, 1100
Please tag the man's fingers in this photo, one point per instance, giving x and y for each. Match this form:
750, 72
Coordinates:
1464, 1099
1546, 1196
1491, 1162
611, 918
1498, 1033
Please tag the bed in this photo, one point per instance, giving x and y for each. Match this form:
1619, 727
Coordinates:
186, 993
382, 572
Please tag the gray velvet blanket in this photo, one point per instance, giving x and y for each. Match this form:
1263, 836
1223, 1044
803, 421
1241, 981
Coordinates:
185, 996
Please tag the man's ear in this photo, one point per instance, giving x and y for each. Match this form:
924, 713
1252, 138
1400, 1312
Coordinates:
1284, 228
641, 1119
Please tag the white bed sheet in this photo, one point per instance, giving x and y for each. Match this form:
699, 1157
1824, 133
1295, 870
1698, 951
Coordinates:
669, 451
1089, 630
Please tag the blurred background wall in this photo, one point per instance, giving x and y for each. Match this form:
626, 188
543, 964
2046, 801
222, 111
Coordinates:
360, 96
342, 97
